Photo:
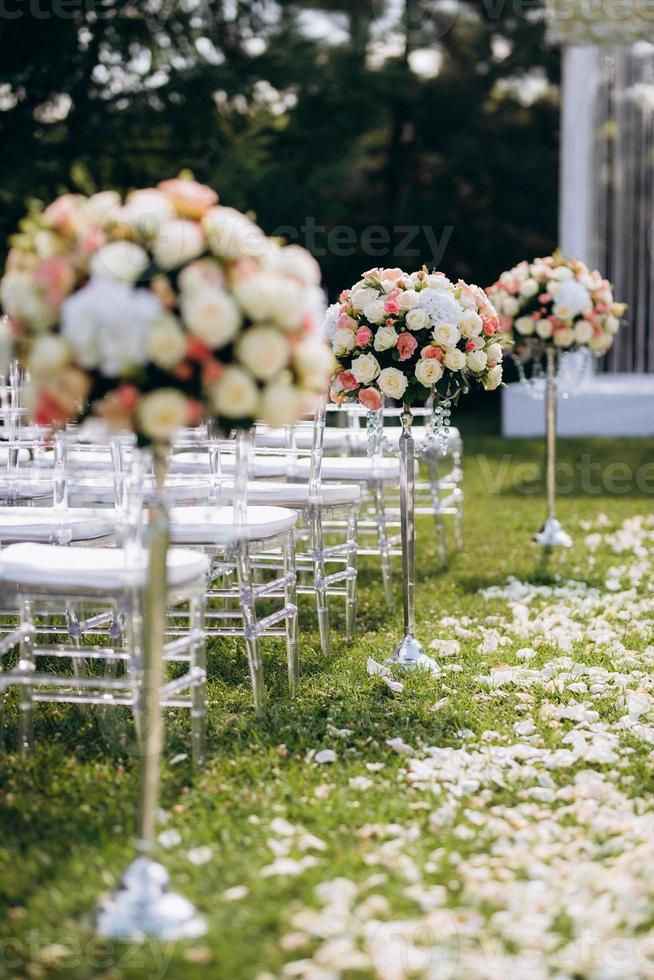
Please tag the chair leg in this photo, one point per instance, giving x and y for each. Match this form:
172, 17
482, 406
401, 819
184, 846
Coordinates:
318, 555
243, 571
75, 634
432, 467
26, 699
458, 497
382, 541
198, 668
290, 600
351, 580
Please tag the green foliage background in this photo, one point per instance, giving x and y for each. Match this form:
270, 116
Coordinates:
298, 110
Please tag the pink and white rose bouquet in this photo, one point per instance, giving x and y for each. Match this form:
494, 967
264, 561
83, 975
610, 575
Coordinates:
408, 336
555, 302
163, 309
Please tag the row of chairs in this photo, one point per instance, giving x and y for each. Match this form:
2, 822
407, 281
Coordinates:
255, 521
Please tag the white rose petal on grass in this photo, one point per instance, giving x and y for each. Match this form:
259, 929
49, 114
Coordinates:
123, 260
360, 783
289, 867
200, 855
374, 669
445, 648
236, 894
177, 243
264, 351
234, 395
212, 316
169, 838
162, 413
392, 382
400, 746
325, 757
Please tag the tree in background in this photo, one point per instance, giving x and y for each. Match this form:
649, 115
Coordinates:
374, 131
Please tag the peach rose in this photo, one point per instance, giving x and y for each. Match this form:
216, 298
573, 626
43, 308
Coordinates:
406, 345
371, 399
190, 199
56, 277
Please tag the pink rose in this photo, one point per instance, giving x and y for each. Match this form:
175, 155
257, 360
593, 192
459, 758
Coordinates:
432, 353
392, 274
344, 296
406, 345
347, 381
62, 215
371, 398
57, 277
363, 336
391, 305
491, 325
544, 298
190, 199
347, 322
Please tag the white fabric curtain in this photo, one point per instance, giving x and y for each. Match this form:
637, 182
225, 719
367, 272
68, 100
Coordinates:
607, 182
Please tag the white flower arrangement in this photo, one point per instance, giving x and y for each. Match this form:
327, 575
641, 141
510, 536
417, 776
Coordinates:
555, 302
409, 336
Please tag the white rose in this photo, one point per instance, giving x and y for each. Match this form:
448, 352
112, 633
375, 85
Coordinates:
267, 296
446, 335
572, 299
552, 287
476, 360
408, 299
374, 312
49, 354
22, 299
281, 404
330, 322
561, 273
232, 235
201, 273
343, 342
529, 288
436, 281
388, 285
493, 379
385, 338
166, 342
601, 343
583, 332
524, 325
122, 260
494, 352
471, 325
361, 296
417, 319
365, 368
103, 208
234, 395
177, 243
564, 337
454, 359
212, 316
544, 329
392, 383
612, 324
428, 371
296, 262
314, 362
510, 306
145, 212
264, 350
162, 413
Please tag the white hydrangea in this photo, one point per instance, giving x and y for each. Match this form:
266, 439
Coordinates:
441, 306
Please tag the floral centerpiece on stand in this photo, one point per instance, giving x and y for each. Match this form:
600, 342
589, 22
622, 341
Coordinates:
157, 311
411, 337
556, 302
551, 308
153, 313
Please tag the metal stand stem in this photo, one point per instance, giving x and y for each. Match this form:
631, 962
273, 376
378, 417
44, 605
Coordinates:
143, 904
408, 653
552, 534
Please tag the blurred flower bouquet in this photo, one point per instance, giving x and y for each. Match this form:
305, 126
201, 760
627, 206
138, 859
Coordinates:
162, 309
408, 336
555, 302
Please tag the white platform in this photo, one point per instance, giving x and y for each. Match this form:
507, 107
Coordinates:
607, 405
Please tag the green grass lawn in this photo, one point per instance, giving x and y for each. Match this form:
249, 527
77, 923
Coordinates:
67, 815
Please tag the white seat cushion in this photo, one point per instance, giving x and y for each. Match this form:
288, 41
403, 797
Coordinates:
258, 466
293, 494
22, 455
43, 523
100, 490
79, 570
215, 525
358, 468
333, 438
